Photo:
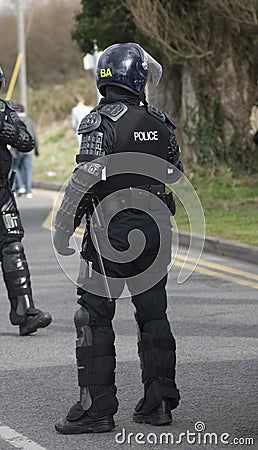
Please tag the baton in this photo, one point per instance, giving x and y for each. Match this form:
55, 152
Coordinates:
96, 245
11, 179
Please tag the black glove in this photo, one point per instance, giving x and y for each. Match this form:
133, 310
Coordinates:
61, 242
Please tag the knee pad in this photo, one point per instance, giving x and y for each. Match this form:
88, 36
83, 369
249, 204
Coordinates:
13, 254
83, 330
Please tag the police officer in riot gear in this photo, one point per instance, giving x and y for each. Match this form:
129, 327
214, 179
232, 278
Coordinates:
15, 270
122, 125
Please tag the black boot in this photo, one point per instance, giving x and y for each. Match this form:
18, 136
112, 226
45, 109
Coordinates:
160, 415
34, 319
78, 421
85, 425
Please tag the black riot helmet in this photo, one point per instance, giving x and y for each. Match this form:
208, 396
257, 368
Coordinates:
2, 78
128, 66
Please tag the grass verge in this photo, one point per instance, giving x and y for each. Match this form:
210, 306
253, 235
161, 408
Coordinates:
230, 205
58, 147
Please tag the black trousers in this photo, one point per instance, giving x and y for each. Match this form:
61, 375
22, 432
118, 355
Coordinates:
145, 273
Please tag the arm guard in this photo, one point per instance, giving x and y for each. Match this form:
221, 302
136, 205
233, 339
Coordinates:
12, 130
81, 186
174, 152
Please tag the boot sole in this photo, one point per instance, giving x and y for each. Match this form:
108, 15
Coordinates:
39, 323
90, 428
165, 419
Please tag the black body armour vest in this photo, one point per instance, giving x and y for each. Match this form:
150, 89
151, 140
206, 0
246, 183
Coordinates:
140, 131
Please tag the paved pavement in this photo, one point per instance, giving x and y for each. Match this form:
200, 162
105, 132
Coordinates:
214, 319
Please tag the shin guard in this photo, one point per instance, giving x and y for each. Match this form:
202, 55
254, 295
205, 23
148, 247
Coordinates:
95, 354
83, 352
17, 280
157, 353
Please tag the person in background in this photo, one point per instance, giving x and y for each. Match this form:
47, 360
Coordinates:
23, 162
16, 274
78, 113
254, 123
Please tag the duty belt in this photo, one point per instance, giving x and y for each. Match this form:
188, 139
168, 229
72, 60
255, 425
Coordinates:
138, 198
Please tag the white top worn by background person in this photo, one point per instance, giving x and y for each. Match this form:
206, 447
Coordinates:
254, 119
78, 113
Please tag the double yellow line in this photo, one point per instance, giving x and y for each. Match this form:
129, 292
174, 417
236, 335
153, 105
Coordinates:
218, 270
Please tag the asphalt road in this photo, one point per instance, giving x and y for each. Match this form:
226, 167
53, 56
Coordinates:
214, 319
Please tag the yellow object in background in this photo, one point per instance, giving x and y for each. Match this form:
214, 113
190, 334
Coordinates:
14, 76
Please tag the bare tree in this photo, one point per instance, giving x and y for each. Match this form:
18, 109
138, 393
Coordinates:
182, 30
209, 50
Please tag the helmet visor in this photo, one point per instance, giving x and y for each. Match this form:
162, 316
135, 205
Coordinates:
150, 64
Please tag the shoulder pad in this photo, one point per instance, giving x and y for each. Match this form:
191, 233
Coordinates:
2, 105
13, 106
155, 112
170, 121
113, 110
89, 123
